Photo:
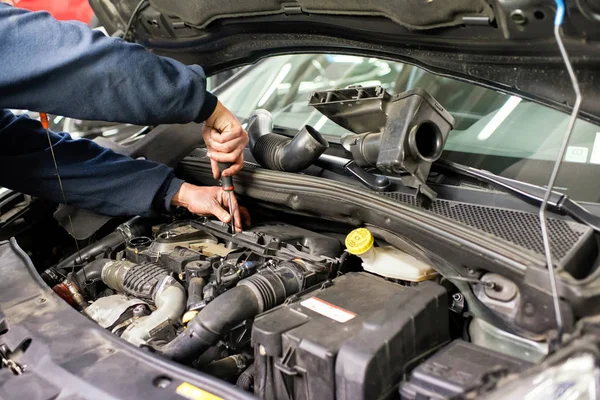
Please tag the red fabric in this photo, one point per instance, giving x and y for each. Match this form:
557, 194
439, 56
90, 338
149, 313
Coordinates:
79, 10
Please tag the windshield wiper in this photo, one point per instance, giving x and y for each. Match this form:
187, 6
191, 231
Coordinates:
558, 202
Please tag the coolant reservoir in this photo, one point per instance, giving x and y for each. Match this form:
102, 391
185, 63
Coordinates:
386, 261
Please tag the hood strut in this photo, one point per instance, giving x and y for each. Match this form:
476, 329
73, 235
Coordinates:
560, 13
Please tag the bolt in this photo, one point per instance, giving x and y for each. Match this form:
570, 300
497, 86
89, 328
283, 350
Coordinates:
518, 17
529, 309
110, 350
138, 311
458, 303
162, 382
41, 300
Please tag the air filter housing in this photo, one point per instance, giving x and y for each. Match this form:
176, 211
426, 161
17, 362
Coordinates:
350, 340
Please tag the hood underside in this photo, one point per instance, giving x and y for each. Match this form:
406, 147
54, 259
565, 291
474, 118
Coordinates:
506, 45
415, 14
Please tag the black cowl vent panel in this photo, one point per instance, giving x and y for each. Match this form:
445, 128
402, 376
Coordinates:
517, 227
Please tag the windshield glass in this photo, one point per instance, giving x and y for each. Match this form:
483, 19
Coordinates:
504, 134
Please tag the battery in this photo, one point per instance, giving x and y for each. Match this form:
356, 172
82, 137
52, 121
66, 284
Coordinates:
352, 338
457, 369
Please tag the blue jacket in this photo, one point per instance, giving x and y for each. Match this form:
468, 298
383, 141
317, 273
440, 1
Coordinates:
64, 68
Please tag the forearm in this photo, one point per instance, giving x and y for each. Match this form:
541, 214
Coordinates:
67, 69
93, 177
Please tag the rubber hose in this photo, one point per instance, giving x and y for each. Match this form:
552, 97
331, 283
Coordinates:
195, 293
246, 379
132, 228
205, 330
91, 271
110, 241
226, 367
279, 152
252, 296
170, 304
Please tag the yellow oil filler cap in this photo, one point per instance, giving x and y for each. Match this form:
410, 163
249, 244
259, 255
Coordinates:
359, 241
188, 316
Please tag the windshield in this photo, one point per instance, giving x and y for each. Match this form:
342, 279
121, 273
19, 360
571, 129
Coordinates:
504, 134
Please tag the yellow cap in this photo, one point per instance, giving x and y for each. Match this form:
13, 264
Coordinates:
359, 241
188, 316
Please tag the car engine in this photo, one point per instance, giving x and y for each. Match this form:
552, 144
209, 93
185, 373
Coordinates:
144, 291
275, 308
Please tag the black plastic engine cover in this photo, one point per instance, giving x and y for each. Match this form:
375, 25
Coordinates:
348, 340
177, 259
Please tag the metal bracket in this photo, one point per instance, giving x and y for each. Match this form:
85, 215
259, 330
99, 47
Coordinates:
379, 183
8, 358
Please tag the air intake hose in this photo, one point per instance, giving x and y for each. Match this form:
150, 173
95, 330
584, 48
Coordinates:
146, 281
279, 152
136, 226
246, 379
252, 296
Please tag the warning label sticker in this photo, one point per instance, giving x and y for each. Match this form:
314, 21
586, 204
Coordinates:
192, 392
327, 309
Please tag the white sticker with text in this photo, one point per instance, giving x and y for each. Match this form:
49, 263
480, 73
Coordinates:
327, 309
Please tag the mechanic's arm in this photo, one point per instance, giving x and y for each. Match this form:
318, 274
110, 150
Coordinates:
96, 178
65, 68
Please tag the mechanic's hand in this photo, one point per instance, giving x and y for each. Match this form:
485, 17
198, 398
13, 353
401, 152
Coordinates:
211, 200
225, 140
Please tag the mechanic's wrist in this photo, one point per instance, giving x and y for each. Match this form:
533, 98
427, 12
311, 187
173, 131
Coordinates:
208, 108
182, 196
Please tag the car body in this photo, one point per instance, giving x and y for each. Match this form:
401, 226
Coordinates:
446, 294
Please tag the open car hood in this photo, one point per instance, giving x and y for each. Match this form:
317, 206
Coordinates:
503, 44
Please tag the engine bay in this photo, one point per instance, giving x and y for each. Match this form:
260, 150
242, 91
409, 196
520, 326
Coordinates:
279, 310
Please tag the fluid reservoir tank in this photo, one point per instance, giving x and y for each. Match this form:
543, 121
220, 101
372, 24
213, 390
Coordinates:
387, 261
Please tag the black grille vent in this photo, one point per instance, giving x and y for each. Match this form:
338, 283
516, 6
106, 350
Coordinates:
518, 227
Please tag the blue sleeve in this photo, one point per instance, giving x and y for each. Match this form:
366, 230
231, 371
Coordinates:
93, 177
65, 68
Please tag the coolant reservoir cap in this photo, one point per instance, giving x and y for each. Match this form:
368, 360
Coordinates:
359, 241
